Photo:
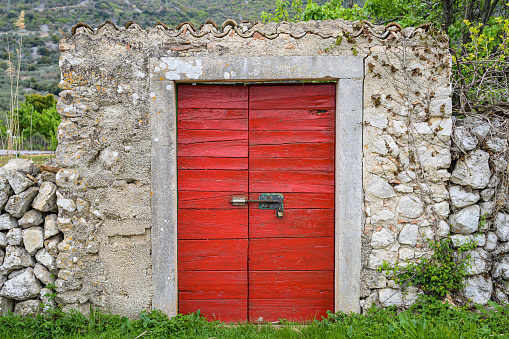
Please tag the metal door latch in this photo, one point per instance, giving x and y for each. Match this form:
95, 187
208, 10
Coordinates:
267, 201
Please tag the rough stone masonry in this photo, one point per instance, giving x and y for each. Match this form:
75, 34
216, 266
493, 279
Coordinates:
102, 239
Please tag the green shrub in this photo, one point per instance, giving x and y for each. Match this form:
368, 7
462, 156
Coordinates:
440, 274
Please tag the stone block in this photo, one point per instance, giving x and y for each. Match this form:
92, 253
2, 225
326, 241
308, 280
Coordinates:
462, 196
466, 220
478, 289
502, 226
18, 181
30, 219
50, 226
7, 222
408, 235
16, 257
46, 200
18, 204
46, 259
5, 192
21, 287
382, 238
473, 171
43, 274
410, 207
27, 307
33, 239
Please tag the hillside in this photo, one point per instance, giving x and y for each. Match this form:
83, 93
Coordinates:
39, 61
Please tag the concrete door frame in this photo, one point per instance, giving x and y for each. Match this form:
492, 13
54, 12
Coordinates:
348, 72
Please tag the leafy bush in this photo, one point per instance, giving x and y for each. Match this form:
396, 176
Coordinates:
440, 274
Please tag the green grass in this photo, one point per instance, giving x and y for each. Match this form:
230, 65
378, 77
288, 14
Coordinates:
430, 320
37, 159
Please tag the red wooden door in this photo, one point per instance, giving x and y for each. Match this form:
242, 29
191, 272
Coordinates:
239, 263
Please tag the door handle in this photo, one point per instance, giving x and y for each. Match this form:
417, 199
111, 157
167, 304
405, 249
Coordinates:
272, 201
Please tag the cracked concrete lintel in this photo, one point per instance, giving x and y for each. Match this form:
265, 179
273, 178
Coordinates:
348, 71
232, 68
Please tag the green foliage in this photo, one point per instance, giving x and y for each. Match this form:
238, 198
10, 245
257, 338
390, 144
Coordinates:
38, 114
405, 12
333, 9
437, 276
481, 66
426, 319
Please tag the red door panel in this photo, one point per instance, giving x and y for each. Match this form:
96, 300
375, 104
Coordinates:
239, 263
212, 234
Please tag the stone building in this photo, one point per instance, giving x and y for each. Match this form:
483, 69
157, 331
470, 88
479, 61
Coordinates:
144, 172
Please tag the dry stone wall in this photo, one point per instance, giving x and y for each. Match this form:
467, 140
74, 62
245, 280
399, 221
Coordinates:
30, 237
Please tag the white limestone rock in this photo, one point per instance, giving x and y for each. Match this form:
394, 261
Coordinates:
501, 268
406, 253
502, 226
377, 257
466, 220
390, 297
30, 219
473, 171
15, 237
46, 200
487, 194
67, 205
15, 258
18, 204
18, 181
478, 289
464, 139
462, 197
406, 176
487, 208
384, 145
380, 188
46, 259
491, 241
410, 207
21, 287
440, 209
443, 228
408, 235
403, 188
3, 239
496, 145
33, 239
5, 192
433, 158
481, 130
43, 274
7, 222
25, 166
480, 261
382, 239
27, 307
376, 280
50, 226
382, 216
51, 244
378, 121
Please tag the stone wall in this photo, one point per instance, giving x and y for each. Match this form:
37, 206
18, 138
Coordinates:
30, 237
105, 144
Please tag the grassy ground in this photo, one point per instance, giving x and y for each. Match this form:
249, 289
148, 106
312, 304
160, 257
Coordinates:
433, 320
37, 159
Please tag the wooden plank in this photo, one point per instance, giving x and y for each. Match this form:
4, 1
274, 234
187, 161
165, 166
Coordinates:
212, 255
207, 200
301, 200
291, 181
286, 137
235, 148
298, 310
291, 284
212, 96
285, 97
198, 137
303, 150
291, 254
212, 224
227, 310
212, 285
211, 114
212, 119
291, 164
212, 180
295, 223
291, 120
212, 163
